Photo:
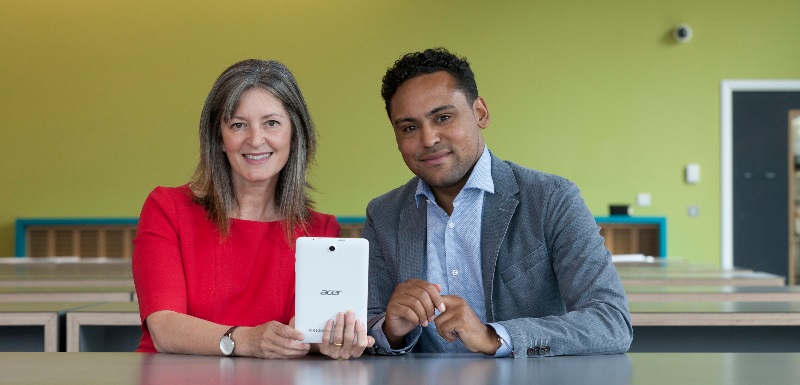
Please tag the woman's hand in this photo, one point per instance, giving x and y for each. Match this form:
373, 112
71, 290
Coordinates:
273, 340
349, 337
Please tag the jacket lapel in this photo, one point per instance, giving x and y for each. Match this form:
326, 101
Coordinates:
412, 236
498, 209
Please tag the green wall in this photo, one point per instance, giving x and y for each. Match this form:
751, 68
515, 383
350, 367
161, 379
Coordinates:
100, 99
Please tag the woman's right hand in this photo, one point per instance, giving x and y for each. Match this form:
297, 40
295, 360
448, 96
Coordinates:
273, 340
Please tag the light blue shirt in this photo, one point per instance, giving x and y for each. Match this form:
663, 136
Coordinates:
454, 257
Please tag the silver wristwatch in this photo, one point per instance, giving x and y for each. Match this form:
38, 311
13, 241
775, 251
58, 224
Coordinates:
226, 344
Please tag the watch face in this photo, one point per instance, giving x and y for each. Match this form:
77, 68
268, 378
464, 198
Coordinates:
226, 345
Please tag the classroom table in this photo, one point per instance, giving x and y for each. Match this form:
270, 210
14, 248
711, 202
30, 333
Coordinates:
672, 265
712, 293
719, 278
122, 293
715, 326
438, 369
105, 327
65, 282
669, 273
658, 327
669, 326
65, 273
61, 266
26, 327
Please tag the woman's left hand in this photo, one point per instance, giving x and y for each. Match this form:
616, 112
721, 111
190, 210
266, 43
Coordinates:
349, 337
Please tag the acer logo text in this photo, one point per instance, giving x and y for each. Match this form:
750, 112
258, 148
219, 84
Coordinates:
330, 292
315, 330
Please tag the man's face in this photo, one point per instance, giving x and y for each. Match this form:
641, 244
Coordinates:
438, 132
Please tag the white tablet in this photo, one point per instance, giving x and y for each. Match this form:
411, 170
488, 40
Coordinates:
332, 277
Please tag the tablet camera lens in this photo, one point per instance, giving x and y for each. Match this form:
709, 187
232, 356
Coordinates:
332, 248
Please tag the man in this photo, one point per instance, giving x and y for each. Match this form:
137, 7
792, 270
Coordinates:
476, 254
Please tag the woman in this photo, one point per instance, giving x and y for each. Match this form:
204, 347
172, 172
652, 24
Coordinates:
213, 260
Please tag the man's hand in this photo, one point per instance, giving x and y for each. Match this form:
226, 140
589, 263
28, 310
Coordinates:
412, 304
460, 322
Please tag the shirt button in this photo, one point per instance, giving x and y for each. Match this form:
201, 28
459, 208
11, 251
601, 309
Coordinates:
450, 225
455, 272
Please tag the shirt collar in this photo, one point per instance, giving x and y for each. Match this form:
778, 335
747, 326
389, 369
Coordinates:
480, 179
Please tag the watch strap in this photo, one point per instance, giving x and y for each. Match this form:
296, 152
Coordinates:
230, 331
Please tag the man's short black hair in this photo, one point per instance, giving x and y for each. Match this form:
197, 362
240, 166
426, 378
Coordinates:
426, 62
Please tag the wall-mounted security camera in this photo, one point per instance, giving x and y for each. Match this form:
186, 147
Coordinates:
682, 33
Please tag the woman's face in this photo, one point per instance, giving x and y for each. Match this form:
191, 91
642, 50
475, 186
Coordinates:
257, 139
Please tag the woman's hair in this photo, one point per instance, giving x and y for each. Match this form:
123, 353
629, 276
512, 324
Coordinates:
212, 182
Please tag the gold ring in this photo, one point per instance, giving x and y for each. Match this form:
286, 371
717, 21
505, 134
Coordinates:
337, 344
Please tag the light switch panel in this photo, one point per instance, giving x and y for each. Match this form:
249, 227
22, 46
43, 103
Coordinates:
692, 173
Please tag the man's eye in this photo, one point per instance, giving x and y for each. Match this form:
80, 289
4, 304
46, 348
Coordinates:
443, 118
410, 129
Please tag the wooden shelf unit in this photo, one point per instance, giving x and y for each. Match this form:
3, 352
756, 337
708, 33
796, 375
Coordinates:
82, 237
112, 237
634, 235
623, 234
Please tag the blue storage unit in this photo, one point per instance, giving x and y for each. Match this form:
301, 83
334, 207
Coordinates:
633, 222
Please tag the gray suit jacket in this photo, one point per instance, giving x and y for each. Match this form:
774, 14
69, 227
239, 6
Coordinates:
547, 275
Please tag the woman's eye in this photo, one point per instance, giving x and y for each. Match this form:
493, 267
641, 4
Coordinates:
272, 123
237, 125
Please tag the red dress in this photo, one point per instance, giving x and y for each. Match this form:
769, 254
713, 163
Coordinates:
180, 264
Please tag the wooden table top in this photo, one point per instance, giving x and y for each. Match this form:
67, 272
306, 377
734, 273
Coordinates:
727, 313
712, 293
41, 307
705, 279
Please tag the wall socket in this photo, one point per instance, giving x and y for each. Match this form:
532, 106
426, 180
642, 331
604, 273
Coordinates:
644, 200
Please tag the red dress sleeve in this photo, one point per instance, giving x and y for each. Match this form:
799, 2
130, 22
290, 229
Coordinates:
157, 265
